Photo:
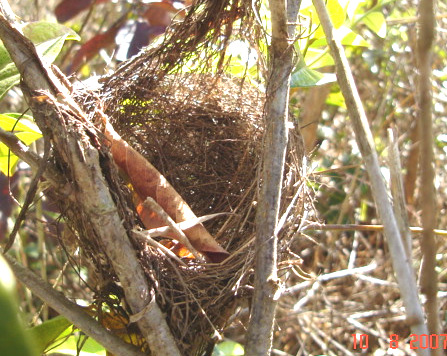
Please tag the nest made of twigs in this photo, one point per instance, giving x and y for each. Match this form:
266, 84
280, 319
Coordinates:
203, 131
205, 137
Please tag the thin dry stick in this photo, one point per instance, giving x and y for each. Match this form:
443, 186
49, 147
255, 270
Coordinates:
71, 311
397, 191
155, 207
267, 285
25, 154
428, 277
365, 142
140, 235
357, 227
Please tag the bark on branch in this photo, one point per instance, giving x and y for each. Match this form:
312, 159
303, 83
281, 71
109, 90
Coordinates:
267, 284
71, 311
92, 192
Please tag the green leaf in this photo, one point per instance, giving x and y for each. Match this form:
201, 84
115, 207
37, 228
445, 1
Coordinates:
47, 332
336, 99
304, 77
48, 38
71, 345
318, 58
25, 130
336, 13
347, 38
228, 348
42, 31
376, 22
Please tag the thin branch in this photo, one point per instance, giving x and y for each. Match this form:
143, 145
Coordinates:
181, 237
267, 284
71, 311
429, 277
26, 155
30, 195
398, 193
365, 142
357, 227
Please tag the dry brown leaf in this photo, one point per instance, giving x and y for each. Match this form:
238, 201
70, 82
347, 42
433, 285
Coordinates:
147, 181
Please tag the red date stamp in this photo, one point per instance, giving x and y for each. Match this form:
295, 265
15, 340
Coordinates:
416, 342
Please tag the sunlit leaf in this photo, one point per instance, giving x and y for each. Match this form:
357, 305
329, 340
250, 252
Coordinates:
24, 129
376, 22
48, 38
336, 99
318, 58
228, 348
71, 345
47, 332
353, 7
346, 36
336, 13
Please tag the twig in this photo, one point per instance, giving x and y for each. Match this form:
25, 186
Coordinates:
429, 276
357, 227
71, 311
161, 231
397, 191
34, 161
332, 275
19, 149
145, 237
365, 142
30, 194
153, 205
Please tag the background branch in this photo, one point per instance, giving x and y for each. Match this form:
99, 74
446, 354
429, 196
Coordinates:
428, 276
365, 142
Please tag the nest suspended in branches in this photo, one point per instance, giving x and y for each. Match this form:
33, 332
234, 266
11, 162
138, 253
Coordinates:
203, 130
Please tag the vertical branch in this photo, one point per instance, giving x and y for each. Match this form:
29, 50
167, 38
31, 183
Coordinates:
429, 278
365, 142
267, 285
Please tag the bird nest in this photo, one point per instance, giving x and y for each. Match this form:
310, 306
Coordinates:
205, 136
204, 132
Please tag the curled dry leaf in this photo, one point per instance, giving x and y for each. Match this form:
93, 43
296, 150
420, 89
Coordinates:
147, 181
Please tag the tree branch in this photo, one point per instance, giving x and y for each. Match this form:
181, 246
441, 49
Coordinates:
71, 311
365, 142
267, 285
93, 195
